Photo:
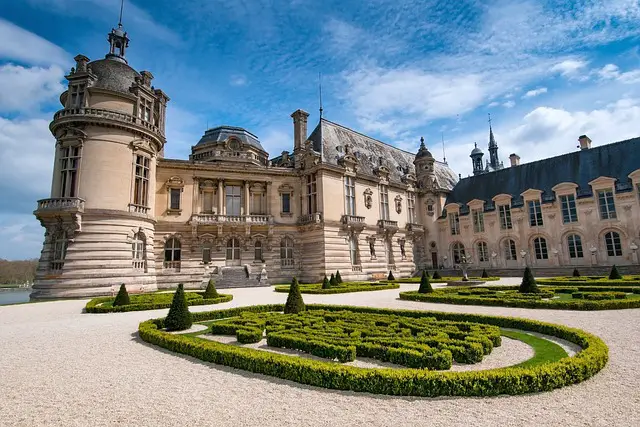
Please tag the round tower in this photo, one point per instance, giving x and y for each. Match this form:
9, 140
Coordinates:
476, 159
425, 170
99, 220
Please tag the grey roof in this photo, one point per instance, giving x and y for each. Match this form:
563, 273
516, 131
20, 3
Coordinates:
422, 151
329, 139
615, 160
476, 150
222, 133
113, 75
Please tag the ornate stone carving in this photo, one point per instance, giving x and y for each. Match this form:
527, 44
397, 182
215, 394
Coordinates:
368, 199
398, 201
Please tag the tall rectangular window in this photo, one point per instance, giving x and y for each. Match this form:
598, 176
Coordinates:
174, 193
478, 220
233, 199
606, 204
505, 217
350, 195
535, 213
141, 186
454, 223
384, 202
207, 202
146, 107
70, 162
312, 194
411, 207
77, 96
286, 203
257, 204
569, 212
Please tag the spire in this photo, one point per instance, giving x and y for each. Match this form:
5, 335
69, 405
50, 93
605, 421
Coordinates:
494, 161
118, 40
492, 140
320, 90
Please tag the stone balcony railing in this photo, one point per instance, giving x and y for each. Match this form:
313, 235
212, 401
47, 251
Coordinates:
415, 228
107, 114
386, 224
66, 204
314, 218
139, 208
231, 219
353, 222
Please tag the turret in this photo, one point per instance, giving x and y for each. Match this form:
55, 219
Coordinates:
425, 170
476, 159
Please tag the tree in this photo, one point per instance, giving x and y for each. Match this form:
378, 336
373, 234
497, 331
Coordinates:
484, 273
123, 297
614, 275
528, 285
325, 283
338, 277
333, 282
390, 276
179, 317
425, 285
294, 303
211, 291
576, 273
436, 275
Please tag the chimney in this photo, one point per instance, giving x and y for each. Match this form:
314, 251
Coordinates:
515, 159
585, 142
299, 128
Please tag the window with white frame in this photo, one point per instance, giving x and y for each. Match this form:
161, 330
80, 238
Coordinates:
353, 250
574, 243
141, 184
312, 194
478, 220
454, 223
286, 252
535, 213
457, 251
569, 212
69, 165
349, 195
411, 207
285, 203
233, 196
139, 251
483, 252
172, 253
613, 243
606, 204
59, 250
504, 212
257, 251
509, 248
146, 107
174, 198
540, 248
384, 202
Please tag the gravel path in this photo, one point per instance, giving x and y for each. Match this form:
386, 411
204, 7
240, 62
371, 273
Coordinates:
59, 367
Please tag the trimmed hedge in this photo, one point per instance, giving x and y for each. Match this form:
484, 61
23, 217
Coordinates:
193, 298
441, 279
179, 317
122, 298
589, 281
343, 288
406, 382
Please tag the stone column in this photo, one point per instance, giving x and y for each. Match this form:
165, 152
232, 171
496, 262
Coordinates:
220, 197
245, 203
268, 201
195, 200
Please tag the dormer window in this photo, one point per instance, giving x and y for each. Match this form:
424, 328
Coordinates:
76, 99
144, 112
234, 145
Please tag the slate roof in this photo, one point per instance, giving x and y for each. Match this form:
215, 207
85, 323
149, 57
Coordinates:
616, 160
113, 75
221, 133
329, 139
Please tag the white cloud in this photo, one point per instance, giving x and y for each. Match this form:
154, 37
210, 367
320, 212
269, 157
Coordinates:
238, 80
23, 234
535, 92
612, 72
569, 67
509, 104
21, 45
493, 104
276, 140
24, 89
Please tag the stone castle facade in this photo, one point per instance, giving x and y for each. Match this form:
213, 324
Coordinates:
120, 212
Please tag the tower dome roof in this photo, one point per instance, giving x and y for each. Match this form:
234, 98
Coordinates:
222, 133
423, 152
476, 150
113, 75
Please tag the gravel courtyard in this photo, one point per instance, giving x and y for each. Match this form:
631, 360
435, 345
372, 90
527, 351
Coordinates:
59, 367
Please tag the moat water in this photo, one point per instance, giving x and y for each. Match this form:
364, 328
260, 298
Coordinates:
14, 296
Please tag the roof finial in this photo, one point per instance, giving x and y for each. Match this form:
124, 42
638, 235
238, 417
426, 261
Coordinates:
422, 146
444, 156
320, 90
120, 20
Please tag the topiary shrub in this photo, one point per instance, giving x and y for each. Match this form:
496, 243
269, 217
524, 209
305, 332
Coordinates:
211, 291
484, 273
179, 317
425, 285
122, 298
528, 285
332, 281
436, 275
390, 276
576, 273
294, 303
338, 277
325, 283
614, 275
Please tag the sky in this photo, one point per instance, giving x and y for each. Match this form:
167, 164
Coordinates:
546, 71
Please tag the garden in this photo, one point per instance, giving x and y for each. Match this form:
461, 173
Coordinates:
335, 285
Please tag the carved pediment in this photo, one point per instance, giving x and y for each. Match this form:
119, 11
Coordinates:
69, 135
175, 181
285, 188
143, 144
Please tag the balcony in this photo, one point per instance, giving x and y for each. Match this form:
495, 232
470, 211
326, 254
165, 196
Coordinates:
60, 204
387, 225
138, 209
314, 218
231, 219
353, 222
101, 113
415, 228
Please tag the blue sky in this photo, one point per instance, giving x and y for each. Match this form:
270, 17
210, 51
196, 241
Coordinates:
547, 71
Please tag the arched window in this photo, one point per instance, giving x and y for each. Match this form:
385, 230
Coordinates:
574, 242
172, 253
457, 251
353, 250
139, 251
612, 240
540, 248
286, 252
483, 252
509, 248
59, 252
257, 251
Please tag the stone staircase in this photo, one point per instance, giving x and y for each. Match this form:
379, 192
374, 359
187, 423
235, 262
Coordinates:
239, 277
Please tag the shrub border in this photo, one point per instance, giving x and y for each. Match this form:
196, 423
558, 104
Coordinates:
93, 307
446, 279
340, 290
567, 282
405, 382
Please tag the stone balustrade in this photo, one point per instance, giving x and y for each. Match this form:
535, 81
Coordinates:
231, 219
108, 114
61, 204
314, 218
387, 224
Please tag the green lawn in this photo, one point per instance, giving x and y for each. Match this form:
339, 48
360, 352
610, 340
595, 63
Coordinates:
545, 351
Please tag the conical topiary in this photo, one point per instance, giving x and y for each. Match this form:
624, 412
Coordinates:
294, 303
325, 283
528, 285
338, 277
179, 317
211, 291
332, 281
576, 273
436, 275
391, 276
484, 273
123, 297
614, 275
425, 285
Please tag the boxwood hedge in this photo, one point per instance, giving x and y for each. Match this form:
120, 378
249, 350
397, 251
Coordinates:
151, 302
407, 382
589, 281
341, 288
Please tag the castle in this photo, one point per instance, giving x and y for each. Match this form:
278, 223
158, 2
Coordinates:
120, 212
